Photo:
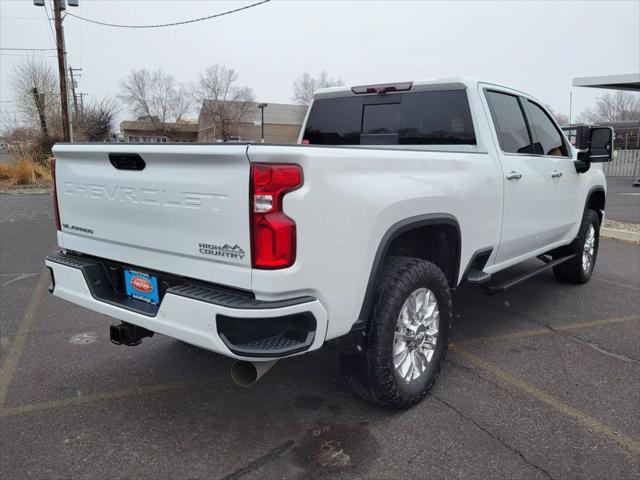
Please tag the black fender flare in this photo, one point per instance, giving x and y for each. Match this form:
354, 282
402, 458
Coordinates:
592, 190
392, 232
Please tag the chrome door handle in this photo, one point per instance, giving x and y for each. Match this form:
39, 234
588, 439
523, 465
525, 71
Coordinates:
514, 175
556, 174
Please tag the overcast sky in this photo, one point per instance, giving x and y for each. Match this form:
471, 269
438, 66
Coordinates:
537, 47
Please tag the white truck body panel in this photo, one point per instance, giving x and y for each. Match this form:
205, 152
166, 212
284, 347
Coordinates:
158, 217
187, 320
356, 195
351, 197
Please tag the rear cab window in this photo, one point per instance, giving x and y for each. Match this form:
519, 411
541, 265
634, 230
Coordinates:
435, 117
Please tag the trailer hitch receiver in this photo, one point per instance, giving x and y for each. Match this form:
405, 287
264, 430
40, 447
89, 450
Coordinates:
128, 334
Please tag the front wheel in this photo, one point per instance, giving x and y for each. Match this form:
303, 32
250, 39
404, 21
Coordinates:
585, 248
407, 335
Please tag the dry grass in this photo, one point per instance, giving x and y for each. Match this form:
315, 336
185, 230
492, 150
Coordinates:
6, 171
24, 172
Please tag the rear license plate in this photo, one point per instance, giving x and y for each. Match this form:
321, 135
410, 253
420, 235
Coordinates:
141, 286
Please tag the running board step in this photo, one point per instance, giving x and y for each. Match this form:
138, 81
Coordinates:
477, 276
494, 289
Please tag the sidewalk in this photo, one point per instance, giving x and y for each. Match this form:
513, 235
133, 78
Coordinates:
624, 231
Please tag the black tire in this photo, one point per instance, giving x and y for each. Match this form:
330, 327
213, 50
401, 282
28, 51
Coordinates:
372, 372
574, 270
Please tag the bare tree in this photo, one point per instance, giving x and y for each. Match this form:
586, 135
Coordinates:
157, 97
14, 130
614, 107
38, 99
561, 118
305, 85
224, 103
96, 121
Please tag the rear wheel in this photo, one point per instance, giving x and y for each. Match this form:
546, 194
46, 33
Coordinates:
585, 248
407, 335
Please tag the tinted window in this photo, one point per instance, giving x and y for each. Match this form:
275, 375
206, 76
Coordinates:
335, 121
438, 118
509, 122
382, 118
419, 118
548, 138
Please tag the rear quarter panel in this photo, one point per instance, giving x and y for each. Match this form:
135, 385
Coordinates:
352, 196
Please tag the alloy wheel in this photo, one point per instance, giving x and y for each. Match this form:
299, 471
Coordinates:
416, 334
589, 248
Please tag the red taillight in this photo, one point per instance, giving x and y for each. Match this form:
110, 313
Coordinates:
56, 210
274, 234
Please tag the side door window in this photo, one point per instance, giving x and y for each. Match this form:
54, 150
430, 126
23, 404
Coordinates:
510, 123
548, 139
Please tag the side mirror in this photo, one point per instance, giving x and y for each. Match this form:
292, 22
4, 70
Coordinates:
580, 136
599, 147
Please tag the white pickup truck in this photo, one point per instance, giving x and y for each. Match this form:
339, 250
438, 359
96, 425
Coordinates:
396, 195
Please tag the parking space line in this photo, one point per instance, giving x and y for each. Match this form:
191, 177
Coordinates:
100, 397
617, 284
18, 277
630, 444
17, 345
547, 331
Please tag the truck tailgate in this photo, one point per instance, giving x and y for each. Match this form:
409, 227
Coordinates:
186, 212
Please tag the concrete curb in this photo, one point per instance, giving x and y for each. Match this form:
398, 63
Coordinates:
624, 235
26, 191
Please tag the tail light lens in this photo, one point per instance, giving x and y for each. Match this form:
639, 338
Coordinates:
273, 233
56, 210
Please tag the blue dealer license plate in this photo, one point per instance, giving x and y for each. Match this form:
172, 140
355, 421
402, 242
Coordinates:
141, 286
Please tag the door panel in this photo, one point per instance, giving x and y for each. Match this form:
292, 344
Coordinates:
526, 178
567, 200
526, 226
565, 183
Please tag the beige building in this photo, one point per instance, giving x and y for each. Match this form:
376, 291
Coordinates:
144, 130
282, 124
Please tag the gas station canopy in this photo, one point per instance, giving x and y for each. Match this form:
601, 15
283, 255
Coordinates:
629, 81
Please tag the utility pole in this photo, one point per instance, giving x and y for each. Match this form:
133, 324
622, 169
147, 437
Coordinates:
570, 107
58, 6
82, 95
262, 106
73, 89
57, 14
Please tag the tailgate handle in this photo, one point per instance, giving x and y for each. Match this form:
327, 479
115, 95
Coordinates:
127, 161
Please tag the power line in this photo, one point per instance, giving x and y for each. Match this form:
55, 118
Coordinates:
21, 18
27, 56
167, 24
28, 49
46, 14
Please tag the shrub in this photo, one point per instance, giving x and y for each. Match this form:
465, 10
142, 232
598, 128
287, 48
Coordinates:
33, 165
23, 173
6, 171
26, 172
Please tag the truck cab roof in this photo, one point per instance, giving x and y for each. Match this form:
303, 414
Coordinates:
448, 83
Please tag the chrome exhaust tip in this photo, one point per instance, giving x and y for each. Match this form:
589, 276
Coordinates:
246, 374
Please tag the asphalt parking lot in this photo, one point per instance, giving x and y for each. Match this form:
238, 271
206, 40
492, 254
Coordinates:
541, 382
623, 200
